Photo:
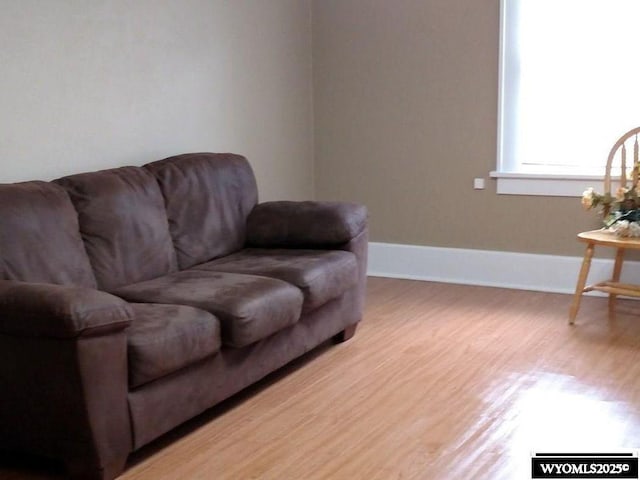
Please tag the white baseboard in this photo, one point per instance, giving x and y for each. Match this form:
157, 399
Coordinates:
523, 271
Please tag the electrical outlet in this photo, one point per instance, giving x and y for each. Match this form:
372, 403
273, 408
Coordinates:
478, 183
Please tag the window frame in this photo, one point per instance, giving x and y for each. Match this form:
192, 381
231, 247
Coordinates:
512, 181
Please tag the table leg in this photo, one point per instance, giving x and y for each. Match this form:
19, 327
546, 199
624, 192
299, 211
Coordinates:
582, 280
617, 270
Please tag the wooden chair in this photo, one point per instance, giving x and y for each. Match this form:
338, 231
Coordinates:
604, 238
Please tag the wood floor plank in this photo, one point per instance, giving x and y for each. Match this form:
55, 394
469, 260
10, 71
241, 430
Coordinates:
440, 381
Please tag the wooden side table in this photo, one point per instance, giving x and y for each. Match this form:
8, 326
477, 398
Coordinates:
613, 287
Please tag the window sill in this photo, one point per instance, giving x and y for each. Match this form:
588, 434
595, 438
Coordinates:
548, 185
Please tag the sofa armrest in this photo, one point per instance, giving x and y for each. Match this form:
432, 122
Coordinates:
63, 373
305, 224
58, 311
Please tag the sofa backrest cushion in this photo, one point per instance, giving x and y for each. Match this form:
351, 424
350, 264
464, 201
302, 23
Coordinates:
123, 224
39, 236
208, 198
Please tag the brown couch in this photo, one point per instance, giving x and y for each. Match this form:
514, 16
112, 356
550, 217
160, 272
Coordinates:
134, 298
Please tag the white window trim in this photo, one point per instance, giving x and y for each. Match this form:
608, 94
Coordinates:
509, 183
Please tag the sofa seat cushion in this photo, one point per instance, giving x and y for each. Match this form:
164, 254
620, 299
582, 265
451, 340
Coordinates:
249, 307
322, 275
165, 338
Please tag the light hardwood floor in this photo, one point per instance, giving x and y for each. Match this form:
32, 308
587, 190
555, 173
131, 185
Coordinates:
440, 382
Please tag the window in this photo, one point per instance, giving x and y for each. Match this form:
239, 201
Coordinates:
569, 87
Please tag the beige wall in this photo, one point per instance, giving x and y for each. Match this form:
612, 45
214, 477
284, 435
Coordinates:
404, 94
405, 99
89, 84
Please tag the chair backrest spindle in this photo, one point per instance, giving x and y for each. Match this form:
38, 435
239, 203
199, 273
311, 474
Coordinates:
623, 166
634, 173
620, 147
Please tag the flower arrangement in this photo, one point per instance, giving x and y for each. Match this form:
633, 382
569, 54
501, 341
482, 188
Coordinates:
622, 211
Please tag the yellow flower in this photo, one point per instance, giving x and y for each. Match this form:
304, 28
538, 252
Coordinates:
621, 193
587, 198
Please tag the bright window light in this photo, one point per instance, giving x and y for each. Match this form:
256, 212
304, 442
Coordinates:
570, 82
